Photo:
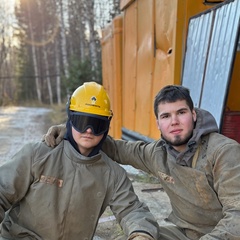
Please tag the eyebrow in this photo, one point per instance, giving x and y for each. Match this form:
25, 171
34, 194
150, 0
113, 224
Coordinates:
183, 109
179, 110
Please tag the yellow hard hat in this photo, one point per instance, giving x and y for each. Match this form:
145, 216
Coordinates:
91, 98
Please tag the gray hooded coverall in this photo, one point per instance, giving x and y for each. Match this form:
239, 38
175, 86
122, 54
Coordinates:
203, 182
60, 194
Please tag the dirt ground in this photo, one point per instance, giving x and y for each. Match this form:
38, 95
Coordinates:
19, 125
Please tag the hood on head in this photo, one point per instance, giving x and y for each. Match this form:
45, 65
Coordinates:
205, 124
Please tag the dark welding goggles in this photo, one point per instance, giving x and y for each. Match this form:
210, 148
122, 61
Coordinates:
81, 122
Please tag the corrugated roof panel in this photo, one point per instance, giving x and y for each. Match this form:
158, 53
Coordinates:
209, 57
196, 54
220, 60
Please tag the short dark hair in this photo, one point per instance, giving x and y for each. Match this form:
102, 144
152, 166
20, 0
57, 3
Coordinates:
172, 93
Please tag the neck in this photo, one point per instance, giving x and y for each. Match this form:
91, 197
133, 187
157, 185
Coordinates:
84, 152
180, 148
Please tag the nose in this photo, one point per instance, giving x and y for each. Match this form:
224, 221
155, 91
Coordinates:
89, 130
175, 119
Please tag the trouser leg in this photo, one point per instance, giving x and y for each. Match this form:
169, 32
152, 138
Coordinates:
172, 233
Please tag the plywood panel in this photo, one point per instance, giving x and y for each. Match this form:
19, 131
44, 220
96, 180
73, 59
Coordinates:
145, 55
165, 25
107, 64
117, 76
112, 71
129, 66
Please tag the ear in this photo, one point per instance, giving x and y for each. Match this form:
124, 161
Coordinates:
157, 124
194, 115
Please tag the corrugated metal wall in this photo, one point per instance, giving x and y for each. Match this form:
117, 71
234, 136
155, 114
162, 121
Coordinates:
211, 49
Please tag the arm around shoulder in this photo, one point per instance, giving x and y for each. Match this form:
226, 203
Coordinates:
54, 135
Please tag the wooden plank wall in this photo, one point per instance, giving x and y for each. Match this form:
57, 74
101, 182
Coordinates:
142, 51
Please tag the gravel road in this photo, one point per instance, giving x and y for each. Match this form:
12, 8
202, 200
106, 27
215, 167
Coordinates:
20, 125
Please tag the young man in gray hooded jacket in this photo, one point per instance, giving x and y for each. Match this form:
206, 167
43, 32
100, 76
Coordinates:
198, 168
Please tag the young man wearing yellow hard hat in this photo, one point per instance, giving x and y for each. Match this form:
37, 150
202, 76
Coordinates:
61, 193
